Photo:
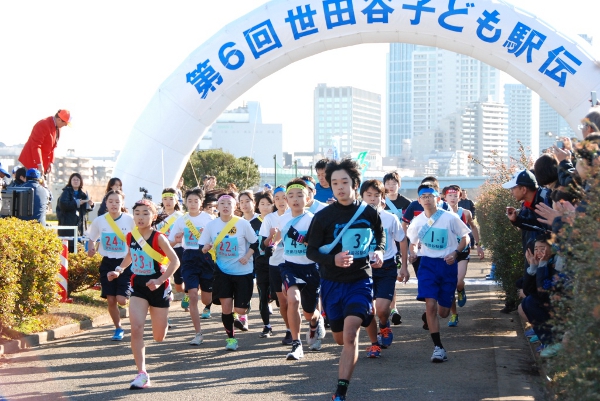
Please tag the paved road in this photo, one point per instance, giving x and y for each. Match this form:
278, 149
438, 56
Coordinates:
488, 360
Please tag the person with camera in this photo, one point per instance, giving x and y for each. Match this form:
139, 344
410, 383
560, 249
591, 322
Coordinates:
41, 196
72, 208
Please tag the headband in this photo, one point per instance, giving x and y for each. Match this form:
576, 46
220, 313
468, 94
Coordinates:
310, 184
226, 197
429, 191
295, 186
278, 189
451, 191
169, 195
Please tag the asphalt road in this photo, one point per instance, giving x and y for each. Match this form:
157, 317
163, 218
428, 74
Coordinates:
489, 359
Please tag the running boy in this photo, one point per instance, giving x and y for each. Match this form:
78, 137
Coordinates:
452, 195
437, 231
300, 275
195, 270
112, 229
339, 239
384, 276
149, 252
229, 238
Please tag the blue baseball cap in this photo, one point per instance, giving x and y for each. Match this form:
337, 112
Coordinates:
6, 173
33, 173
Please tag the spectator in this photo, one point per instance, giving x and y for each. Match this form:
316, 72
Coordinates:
72, 208
114, 184
324, 192
20, 177
210, 183
38, 151
591, 122
179, 191
41, 196
3, 174
466, 203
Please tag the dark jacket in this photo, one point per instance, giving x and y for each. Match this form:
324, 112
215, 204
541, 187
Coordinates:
69, 213
41, 197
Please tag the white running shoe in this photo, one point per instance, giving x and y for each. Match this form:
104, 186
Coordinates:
321, 328
311, 340
197, 339
142, 380
439, 355
296, 353
316, 346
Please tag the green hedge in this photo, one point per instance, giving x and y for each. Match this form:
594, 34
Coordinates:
84, 271
30, 260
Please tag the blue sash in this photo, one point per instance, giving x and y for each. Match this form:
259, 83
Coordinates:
325, 249
313, 208
290, 223
393, 208
425, 229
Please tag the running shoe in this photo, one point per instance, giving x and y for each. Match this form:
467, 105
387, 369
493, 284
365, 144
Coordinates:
270, 309
241, 323
321, 329
439, 355
197, 340
287, 340
424, 319
462, 298
311, 336
540, 348
530, 333
453, 322
551, 350
395, 317
142, 380
373, 351
169, 325
386, 336
296, 353
232, 344
267, 332
337, 397
534, 339
185, 302
316, 346
118, 336
205, 313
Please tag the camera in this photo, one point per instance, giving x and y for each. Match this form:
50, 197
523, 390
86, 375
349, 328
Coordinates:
145, 195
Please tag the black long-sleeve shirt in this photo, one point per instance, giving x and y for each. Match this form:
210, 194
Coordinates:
323, 229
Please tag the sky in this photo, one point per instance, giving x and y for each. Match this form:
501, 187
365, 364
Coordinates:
104, 61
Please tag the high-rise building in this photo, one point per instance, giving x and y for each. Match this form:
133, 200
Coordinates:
552, 126
425, 84
523, 120
348, 119
241, 132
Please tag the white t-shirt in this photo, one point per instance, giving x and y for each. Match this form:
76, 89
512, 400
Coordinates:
441, 239
189, 241
233, 246
294, 251
393, 233
316, 206
272, 220
163, 223
110, 245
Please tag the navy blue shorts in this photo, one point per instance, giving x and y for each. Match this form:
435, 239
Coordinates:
195, 270
275, 278
347, 299
308, 281
177, 275
384, 280
437, 280
120, 285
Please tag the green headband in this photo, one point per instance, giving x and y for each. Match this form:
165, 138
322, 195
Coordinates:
295, 186
169, 195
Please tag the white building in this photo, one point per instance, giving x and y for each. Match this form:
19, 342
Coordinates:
552, 126
523, 120
348, 119
241, 132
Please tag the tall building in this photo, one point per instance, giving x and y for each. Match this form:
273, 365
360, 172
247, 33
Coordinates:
348, 119
425, 84
523, 120
552, 126
241, 132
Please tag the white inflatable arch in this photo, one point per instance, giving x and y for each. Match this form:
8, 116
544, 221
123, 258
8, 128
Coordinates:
561, 69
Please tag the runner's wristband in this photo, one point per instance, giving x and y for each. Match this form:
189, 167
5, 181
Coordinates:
119, 269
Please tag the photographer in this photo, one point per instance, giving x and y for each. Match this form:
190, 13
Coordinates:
41, 196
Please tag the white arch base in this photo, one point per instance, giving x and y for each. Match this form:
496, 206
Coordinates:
562, 69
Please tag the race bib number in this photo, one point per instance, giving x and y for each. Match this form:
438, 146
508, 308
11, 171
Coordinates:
141, 263
112, 243
374, 242
191, 242
293, 247
228, 249
357, 241
436, 238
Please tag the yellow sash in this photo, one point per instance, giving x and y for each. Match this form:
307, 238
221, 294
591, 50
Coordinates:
191, 227
168, 224
115, 227
163, 260
222, 234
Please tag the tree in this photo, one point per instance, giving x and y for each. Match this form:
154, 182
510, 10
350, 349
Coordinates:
243, 171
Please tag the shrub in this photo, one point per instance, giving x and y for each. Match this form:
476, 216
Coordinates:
577, 309
31, 253
83, 270
9, 279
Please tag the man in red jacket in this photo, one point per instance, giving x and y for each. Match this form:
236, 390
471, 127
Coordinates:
38, 151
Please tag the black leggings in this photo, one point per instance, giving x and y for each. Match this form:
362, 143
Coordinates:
264, 289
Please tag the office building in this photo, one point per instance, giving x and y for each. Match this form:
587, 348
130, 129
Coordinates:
523, 120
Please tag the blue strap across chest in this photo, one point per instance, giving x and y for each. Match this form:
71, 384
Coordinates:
325, 249
290, 223
393, 207
430, 222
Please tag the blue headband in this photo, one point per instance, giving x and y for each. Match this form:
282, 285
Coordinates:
309, 184
429, 191
278, 189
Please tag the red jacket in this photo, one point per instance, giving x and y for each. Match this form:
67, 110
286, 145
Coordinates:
40, 146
